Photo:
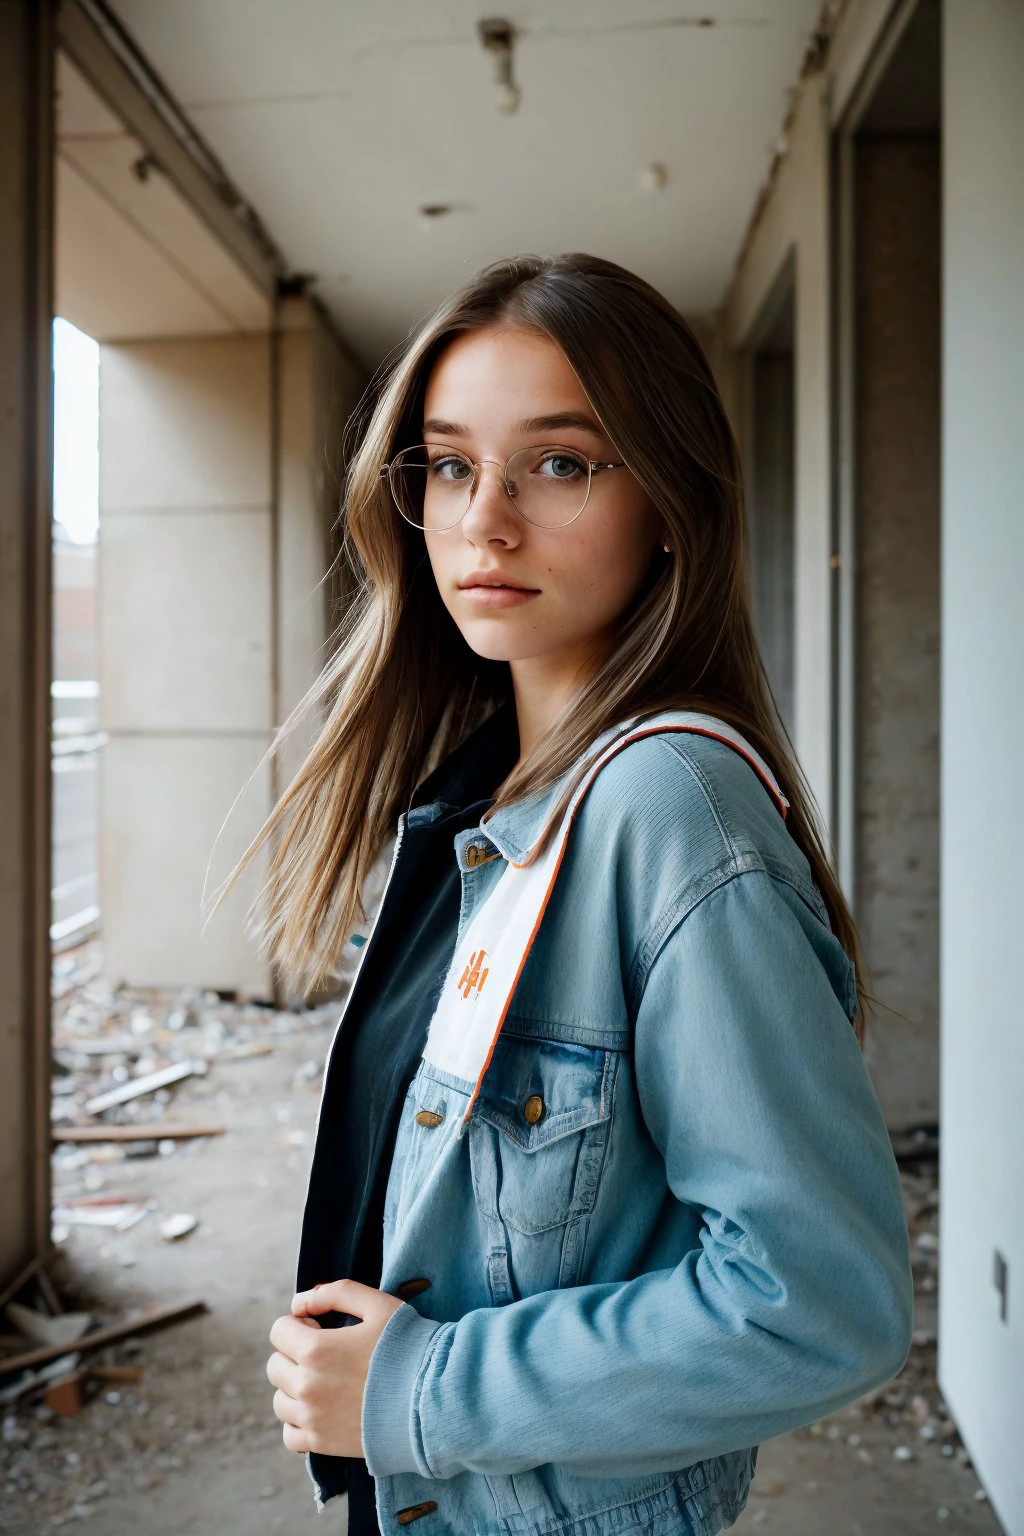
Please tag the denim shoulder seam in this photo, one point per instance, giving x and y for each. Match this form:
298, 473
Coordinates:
809, 895
695, 888
682, 747
693, 891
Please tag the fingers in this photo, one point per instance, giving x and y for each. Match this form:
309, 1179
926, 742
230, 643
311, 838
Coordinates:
284, 1373
297, 1439
350, 1296
289, 1410
294, 1337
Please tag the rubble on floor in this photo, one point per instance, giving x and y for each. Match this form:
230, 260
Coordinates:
121, 1058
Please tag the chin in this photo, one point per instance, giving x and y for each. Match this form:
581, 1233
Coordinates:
498, 642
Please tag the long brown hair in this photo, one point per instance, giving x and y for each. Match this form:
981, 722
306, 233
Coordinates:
403, 689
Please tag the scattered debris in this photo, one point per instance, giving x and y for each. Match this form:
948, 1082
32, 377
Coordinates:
246, 1049
119, 1214
50, 1370
180, 1225
137, 1075
41, 1329
137, 1087
137, 1322
67, 1394
122, 1373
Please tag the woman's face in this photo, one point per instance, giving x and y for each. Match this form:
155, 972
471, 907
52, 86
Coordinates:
490, 393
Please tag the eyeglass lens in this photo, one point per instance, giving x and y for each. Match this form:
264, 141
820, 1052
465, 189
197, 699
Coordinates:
432, 485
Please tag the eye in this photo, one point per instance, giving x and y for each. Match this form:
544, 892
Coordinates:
450, 461
563, 466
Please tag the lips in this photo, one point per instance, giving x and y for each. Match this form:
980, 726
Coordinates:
493, 579
493, 589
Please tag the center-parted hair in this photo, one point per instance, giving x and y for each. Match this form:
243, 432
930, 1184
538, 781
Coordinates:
403, 688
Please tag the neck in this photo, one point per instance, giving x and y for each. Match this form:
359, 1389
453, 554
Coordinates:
543, 686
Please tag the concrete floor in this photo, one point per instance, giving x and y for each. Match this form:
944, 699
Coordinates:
194, 1448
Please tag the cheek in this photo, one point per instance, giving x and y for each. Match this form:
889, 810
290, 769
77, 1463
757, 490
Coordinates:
443, 563
608, 562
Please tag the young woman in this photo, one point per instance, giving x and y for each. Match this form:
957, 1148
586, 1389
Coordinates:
601, 1187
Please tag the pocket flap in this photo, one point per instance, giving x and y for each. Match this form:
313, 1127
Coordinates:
535, 1091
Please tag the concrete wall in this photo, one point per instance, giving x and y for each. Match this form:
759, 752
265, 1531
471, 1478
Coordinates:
896, 319
981, 1355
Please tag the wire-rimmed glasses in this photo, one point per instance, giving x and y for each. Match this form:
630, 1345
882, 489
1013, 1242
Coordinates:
548, 485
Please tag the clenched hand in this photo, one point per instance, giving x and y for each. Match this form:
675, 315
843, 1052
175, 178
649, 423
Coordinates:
320, 1373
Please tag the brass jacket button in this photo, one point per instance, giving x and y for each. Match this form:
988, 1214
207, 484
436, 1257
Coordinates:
428, 1117
533, 1109
414, 1511
412, 1287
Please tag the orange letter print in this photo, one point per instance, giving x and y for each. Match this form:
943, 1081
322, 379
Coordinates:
473, 977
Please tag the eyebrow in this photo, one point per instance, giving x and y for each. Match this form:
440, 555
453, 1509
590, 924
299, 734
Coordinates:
528, 424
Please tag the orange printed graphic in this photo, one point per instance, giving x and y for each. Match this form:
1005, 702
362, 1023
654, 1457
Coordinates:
473, 978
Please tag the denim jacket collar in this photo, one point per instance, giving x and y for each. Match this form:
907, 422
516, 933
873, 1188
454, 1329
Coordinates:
474, 770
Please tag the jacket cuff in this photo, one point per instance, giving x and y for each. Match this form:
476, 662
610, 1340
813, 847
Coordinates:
390, 1418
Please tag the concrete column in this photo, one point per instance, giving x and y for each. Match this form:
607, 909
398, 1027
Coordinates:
187, 647
26, 238
981, 1290
216, 502
318, 384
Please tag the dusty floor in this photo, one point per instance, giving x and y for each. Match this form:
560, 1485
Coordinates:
193, 1448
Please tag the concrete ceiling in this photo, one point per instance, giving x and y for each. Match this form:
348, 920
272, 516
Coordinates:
339, 121
132, 258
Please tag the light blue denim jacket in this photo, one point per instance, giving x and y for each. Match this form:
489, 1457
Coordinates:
701, 1243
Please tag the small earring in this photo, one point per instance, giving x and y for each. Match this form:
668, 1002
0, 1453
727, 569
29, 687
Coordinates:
667, 548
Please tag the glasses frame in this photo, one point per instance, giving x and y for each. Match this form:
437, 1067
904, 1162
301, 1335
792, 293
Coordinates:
594, 466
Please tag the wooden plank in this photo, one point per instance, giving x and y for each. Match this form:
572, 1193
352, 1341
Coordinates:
138, 1322
84, 1133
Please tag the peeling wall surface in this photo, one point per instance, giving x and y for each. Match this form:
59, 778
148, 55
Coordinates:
897, 300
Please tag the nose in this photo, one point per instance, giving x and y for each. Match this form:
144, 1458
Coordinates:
491, 517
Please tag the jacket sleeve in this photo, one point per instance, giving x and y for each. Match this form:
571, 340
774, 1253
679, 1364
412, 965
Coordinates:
799, 1297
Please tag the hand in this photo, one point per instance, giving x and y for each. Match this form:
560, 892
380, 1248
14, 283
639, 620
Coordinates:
320, 1373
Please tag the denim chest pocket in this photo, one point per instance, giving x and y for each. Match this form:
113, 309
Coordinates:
549, 1103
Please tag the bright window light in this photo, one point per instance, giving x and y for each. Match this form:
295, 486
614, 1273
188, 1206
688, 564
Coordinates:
76, 417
